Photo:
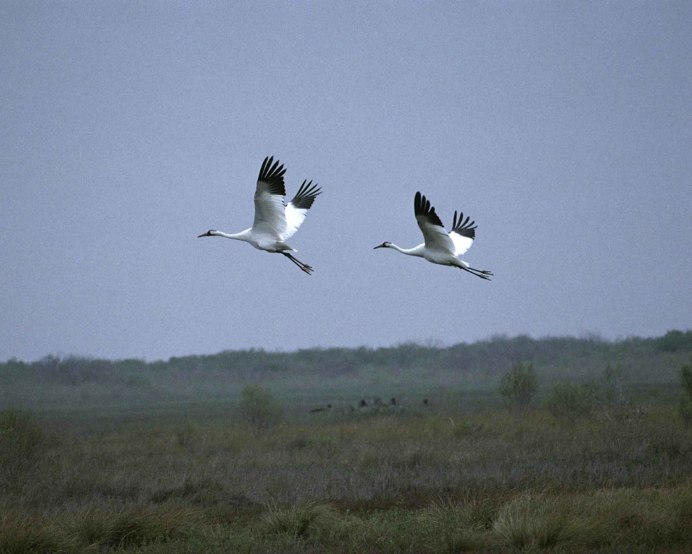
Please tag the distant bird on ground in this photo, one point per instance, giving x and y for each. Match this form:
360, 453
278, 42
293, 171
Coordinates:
275, 221
441, 247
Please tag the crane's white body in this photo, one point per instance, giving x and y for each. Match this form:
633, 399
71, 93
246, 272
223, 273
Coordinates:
261, 241
441, 247
275, 221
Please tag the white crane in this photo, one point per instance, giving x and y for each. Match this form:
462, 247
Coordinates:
275, 221
441, 247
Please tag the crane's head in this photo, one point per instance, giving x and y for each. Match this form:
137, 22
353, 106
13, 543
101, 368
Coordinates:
209, 233
383, 245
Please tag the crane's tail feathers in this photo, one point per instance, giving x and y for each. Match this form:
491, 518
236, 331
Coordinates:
304, 267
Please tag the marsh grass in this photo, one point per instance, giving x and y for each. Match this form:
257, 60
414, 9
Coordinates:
533, 520
24, 533
451, 526
654, 518
22, 446
133, 526
650, 517
302, 520
445, 481
158, 458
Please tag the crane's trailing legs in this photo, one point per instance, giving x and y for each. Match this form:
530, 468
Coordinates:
442, 247
482, 273
305, 267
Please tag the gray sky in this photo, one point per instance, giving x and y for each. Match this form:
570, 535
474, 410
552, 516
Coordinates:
563, 128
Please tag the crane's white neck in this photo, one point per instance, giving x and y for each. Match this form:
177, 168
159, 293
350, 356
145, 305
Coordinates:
243, 235
415, 251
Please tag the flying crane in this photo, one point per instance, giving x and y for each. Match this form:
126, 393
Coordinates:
275, 221
441, 247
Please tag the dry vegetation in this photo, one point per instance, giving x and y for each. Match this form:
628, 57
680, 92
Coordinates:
387, 482
458, 474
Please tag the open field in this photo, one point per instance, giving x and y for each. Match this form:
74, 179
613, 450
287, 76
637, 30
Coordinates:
382, 482
458, 473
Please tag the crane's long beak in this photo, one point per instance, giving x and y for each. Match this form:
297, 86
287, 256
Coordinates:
378, 246
203, 235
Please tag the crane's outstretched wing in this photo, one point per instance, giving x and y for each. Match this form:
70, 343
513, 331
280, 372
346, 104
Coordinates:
436, 238
298, 207
462, 234
269, 198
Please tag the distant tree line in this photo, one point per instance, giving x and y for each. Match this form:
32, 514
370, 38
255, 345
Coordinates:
492, 357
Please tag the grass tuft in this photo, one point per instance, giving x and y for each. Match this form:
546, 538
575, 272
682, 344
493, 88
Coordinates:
532, 520
134, 527
301, 520
450, 527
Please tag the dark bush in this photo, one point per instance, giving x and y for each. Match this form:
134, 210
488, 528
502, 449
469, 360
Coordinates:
570, 401
686, 379
519, 387
259, 408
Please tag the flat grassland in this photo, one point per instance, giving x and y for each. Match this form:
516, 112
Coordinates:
433, 472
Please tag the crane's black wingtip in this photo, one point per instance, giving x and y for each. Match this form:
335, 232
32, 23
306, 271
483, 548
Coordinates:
306, 195
464, 227
423, 208
272, 172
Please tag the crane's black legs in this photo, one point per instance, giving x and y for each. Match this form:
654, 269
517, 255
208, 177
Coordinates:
482, 273
305, 267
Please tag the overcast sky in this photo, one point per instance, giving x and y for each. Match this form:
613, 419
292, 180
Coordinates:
128, 128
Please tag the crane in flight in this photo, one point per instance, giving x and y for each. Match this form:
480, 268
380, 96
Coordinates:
275, 221
441, 247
